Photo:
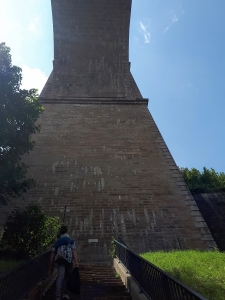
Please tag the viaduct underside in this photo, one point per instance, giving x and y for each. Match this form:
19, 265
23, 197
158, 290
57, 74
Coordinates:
99, 152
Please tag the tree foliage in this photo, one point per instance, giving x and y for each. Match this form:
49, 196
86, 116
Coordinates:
19, 109
207, 181
30, 231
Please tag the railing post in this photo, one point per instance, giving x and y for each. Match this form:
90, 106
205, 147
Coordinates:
126, 258
30, 277
117, 250
166, 289
140, 277
127, 261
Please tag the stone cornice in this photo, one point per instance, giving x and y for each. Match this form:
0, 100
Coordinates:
91, 101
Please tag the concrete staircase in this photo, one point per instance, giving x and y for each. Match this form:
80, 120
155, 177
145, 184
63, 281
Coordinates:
98, 282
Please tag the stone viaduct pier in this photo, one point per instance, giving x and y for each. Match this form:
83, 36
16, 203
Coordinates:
99, 152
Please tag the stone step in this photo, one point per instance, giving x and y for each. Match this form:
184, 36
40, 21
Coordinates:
102, 282
97, 283
114, 298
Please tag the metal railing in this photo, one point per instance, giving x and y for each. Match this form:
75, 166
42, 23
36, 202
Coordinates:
17, 284
153, 282
119, 239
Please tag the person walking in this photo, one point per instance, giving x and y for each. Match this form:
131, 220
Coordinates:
64, 258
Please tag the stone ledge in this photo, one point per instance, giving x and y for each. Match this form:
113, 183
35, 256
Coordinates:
91, 101
129, 283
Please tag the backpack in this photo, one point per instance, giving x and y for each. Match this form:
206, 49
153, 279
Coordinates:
64, 254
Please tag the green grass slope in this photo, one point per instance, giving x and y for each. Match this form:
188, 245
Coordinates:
8, 265
204, 272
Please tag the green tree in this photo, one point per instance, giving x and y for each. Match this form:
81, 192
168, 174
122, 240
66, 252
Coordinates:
30, 231
19, 109
207, 181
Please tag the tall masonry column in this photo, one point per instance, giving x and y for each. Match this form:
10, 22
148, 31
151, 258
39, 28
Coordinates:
91, 51
100, 154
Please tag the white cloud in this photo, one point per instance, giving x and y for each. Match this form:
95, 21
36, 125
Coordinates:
33, 26
175, 18
167, 28
145, 32
33, 78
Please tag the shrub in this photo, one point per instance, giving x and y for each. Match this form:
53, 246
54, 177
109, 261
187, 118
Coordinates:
30, 231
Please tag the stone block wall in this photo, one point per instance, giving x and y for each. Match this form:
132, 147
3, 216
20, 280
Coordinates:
91, 44
110, 166
212, 208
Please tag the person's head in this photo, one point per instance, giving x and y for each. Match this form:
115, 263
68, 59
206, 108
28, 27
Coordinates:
63, 229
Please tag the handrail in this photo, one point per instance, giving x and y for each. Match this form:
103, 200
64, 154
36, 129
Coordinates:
17, 284
121, 241
154, 282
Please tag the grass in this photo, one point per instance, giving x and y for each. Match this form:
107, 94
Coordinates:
7, 265
204, 272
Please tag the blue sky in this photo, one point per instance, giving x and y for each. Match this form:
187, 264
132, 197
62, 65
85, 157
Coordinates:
177, 54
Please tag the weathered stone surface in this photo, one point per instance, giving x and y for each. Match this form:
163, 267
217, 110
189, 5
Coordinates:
105, 163
91, 50
212, 207
100, 152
